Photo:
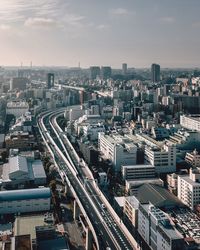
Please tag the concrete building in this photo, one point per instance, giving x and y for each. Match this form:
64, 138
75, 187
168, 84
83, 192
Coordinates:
94, 72
75, 113
25, 200
132, 186
162, 155
131, 205
17, 109
135, 172
156, 229
102, 180
20, 171
106, 72
191, 122
18, 83
164, 159
50, 80
172, 183
155, 73
92, 130
107, 112
21, 140
193, 158
124, 68
189, 188
23, 123
118, 149
185, 140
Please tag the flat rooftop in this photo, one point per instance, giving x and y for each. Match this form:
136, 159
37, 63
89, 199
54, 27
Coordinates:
188, 180
26, 225
120, 201
137, 166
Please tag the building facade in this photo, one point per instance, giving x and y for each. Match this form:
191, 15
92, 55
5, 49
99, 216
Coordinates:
25, 200
118, 149
189, 188
155, 73
155, 228
136, 172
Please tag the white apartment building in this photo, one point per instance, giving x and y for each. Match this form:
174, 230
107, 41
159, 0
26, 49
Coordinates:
155, 228
135, 172
190, 122
189, 188
193, 158
17, 109
172, 183
131, 205
164, 159
25, 200
118, 149
92, 130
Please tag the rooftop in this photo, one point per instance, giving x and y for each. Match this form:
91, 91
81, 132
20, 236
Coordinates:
133, 201
158, 196
26, 225
25, 194
138, 166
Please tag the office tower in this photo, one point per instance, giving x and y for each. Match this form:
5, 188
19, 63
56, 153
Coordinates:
124, 68
106, 72
155, 72
94, 72
50, 80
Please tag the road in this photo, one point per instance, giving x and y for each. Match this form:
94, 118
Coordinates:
107, 230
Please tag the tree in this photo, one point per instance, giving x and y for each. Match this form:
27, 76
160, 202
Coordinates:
52, 185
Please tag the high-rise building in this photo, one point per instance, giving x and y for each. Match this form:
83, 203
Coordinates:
94, 72
124, 68
155, 73
50, 80
106, 72
18, 83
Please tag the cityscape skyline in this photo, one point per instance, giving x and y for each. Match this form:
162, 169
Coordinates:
68, 32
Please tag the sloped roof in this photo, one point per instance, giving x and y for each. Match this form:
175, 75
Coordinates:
18, 163
158, 196
25, 194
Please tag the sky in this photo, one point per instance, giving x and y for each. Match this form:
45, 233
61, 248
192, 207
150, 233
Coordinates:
100, 32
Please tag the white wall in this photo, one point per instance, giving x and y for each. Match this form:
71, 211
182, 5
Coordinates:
24, 206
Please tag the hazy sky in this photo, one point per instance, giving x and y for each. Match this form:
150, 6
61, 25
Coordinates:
100, 32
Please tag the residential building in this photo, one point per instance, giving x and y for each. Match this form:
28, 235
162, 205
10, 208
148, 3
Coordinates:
189, 188
17, 108
156, 229
118, 149
193, 158
92, 130
191, 122
164, 159
172, 183
21, 140
131, 205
